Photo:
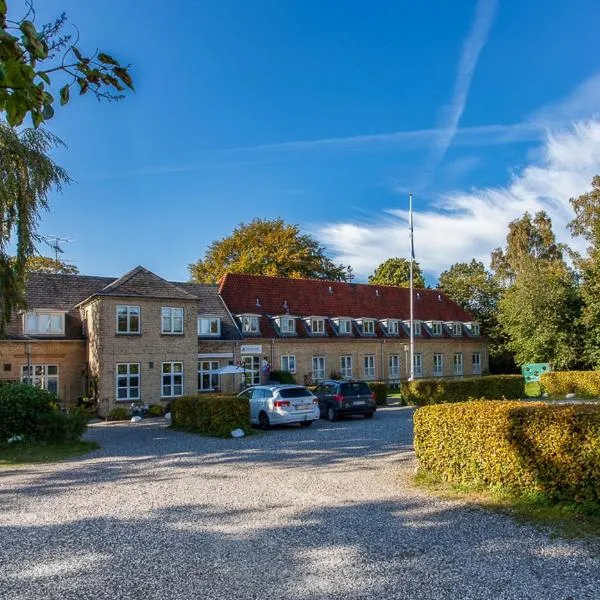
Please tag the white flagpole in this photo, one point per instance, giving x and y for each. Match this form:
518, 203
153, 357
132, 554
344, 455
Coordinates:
412, 256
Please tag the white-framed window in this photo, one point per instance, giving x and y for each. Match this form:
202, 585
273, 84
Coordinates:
128, 319
171, 379
207, 380
456, 328
345, 326
42, 322
368, 326
128, 381
287, 324
394, 366
318, 368
42, 376
346, 366
317, 325
418, 364
251, 364
369, 366
209, 326
417, 327
288, 363
476, 363
474, 329
393, 327
249, 324
436, 328
172, 320
457, 363
438, 365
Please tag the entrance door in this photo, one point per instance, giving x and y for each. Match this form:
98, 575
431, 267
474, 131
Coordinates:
207, 381
252, 365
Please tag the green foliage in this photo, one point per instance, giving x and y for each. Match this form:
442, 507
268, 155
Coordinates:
584, 384
266, 247
44, 264
32, 412
379, 388
527, 447
396, 272
34, 62
281, 377
118, 413
440, 391
212, 415
156, 410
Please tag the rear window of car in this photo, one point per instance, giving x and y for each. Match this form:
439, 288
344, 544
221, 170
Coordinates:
360, 388
294, 392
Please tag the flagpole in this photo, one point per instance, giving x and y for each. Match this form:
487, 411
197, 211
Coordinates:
412, 257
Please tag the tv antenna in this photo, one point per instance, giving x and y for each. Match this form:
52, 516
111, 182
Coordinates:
55, 242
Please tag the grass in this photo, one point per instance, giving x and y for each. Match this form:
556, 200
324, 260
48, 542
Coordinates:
23, 454
565, 519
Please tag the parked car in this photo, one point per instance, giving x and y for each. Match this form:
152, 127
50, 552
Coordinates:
341, 398
281, 404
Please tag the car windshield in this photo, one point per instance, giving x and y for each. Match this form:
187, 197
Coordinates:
294, 392
357, 388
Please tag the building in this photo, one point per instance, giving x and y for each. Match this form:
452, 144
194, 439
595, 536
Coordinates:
140, 337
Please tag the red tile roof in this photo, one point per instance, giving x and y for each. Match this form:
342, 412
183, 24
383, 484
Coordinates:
306, 297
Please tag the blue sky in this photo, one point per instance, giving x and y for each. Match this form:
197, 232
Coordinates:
326, 114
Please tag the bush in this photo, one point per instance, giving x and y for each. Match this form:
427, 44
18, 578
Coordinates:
524, 447
213, 415
60, 427
282, 377
21, 408
438, 391
379, 388
156, 410
118, 413
584, 384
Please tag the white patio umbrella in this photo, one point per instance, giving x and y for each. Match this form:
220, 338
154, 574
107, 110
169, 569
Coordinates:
228, 370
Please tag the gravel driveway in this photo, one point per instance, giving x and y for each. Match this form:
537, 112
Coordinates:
293, 513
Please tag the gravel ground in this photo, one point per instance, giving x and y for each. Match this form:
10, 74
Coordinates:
316, 513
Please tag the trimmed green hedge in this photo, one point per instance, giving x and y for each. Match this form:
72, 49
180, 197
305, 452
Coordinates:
437, 391
584, 384
379, 388
281, 377
525, 447
213, 415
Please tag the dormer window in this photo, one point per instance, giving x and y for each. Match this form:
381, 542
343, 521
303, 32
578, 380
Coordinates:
436, 327
209, 326
455, 328
317, 325
287, 324
417, 329
249, 323
44, 322
344, 326
368, 327
393, 327
473, 328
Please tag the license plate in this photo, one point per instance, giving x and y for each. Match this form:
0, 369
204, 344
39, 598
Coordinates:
303, 406
359, 402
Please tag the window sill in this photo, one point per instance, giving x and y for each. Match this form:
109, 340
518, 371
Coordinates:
127, 334
163, 334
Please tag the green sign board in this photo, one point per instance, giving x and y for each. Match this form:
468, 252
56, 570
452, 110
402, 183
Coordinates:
534, 371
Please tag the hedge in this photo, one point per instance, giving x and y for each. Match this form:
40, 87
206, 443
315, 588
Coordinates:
520, 446
379, 388
584, 384
213, 415
281, 377
438, 391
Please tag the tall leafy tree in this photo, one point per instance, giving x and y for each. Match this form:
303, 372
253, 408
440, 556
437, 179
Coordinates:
396, 272
586, 224
45, 264
266, 247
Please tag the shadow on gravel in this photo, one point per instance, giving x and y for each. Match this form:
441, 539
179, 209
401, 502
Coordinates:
354, 550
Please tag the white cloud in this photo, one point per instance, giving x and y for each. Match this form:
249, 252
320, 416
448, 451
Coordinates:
467, 225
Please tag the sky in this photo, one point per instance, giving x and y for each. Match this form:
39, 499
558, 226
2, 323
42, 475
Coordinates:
326, 114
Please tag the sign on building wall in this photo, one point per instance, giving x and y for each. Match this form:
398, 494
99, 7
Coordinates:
251, 349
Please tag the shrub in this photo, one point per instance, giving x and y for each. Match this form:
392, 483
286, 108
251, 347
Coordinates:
21, 407
437, 391
60, 427
118, 413
156, 410
525, 447
379, 388
282, 377
584, 384
213, 415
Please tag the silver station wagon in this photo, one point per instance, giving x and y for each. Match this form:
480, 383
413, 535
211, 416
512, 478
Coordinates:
280, 404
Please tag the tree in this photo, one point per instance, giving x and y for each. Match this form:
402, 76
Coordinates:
586, 224
540, 304
266, 247
44, 264
27, 175
30, 57
396, 272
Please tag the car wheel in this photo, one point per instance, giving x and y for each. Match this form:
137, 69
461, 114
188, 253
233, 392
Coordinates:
332, 414
263, 421
305, 423
369, 415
